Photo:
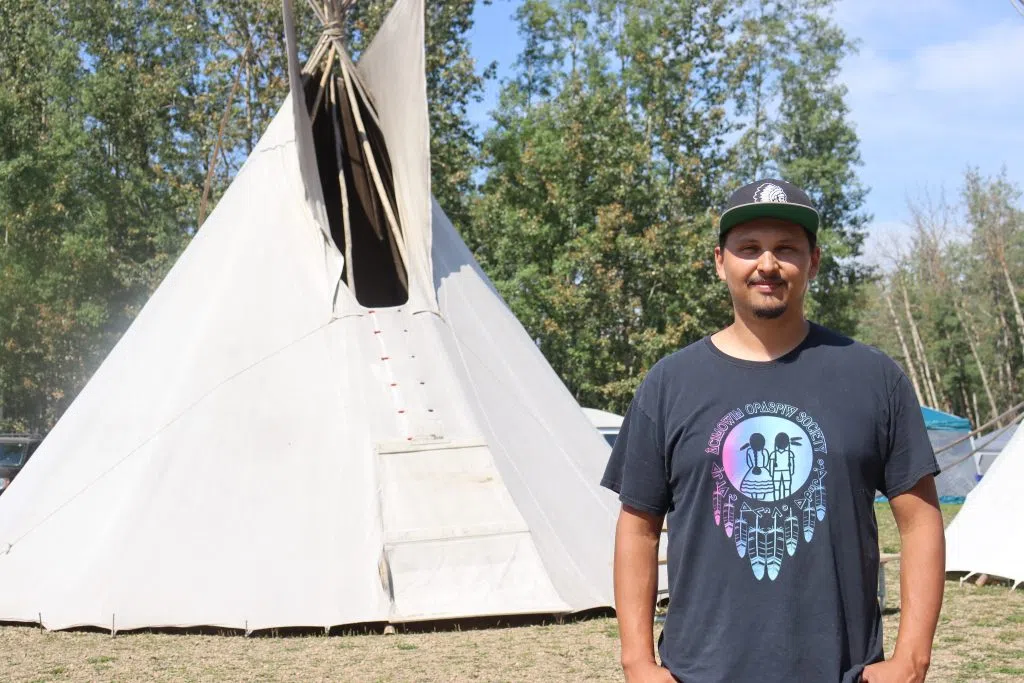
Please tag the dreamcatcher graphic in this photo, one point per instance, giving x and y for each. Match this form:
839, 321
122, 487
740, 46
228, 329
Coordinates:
768, 493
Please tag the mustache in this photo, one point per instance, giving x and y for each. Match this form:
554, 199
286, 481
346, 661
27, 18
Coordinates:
765, 281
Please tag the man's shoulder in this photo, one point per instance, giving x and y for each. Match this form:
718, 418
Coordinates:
690, 356
673, 371
857, 356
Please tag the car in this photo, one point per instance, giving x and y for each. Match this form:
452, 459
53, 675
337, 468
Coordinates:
15, 451
608, 424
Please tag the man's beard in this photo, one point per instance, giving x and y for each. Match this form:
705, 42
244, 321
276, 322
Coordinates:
770, 312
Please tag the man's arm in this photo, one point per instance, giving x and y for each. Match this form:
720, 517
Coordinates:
636, 588
922, 577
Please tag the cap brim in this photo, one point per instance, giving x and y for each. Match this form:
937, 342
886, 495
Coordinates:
804, 216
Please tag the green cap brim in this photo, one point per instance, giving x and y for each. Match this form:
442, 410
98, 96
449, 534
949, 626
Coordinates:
804, 216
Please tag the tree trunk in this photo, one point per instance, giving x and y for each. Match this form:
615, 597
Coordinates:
960, 314
940, 392
1007, 352
1013, 298
903, 345
977, 413
971, 414
919, 347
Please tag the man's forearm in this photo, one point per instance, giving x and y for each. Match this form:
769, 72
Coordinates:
922, 582
636, 586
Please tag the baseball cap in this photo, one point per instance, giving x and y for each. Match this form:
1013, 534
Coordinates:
769, 198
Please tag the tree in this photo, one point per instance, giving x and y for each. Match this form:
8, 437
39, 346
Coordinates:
611, 149
796, 126
93, 167
959, 279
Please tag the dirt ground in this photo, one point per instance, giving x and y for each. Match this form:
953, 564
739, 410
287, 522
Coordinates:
980, 638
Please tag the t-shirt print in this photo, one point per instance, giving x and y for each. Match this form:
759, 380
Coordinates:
769, 481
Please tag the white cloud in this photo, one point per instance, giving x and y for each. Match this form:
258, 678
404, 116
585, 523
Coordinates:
859, 14
963, 89
868, 73
990, 64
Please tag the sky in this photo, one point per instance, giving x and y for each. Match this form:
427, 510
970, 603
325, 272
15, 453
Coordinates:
937, 86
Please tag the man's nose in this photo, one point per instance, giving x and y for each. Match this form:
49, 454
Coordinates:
767, 263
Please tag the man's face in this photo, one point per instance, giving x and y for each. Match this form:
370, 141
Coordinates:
767, 264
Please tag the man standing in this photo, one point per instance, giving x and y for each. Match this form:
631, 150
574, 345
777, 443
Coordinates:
778, 586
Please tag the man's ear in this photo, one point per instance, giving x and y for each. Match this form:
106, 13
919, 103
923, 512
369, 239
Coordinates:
720, 263
815, 263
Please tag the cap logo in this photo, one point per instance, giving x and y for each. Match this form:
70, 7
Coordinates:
769, 192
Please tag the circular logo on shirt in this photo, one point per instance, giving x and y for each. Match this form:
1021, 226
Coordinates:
769, 481
767, 458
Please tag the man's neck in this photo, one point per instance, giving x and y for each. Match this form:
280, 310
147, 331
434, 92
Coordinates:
758, 339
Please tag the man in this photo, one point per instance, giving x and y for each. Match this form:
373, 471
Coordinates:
773, 583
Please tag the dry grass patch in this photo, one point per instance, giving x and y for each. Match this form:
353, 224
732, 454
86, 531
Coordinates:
582, 651
980, 638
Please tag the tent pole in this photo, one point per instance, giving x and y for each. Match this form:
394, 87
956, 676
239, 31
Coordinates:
345, 218
316, 55
372, 163
323, 83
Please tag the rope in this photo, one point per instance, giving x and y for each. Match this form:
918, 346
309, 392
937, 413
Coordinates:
980, 429
995, 436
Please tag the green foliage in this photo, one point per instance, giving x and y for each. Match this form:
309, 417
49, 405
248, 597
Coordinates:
625, 126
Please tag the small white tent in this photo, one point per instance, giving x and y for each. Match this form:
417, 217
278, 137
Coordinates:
984, 537
261, 449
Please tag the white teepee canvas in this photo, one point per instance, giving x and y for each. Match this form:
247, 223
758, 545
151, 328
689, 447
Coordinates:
984, 537
261, 450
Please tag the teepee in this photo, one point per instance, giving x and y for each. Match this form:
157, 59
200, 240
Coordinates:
984, 537
325, 414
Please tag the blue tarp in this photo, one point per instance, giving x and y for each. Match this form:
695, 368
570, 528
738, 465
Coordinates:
938, 421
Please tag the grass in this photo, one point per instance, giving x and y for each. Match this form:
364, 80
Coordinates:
980, 638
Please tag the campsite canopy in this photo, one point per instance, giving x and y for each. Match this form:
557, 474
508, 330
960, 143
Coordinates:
959, 474
938, 421
325, 414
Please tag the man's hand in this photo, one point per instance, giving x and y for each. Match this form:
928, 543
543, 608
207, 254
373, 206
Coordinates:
893, 671
647, 672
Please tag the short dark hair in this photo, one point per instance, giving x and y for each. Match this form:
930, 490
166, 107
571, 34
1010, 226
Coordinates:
811, 239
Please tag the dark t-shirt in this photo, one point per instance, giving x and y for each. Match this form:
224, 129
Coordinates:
768, 472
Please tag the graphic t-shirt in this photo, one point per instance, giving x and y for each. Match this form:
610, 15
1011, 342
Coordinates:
767, 472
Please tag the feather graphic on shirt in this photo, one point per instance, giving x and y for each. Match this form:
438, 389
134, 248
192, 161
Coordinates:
716, 498
819, 491
806, 505
775, 545
743, 529
719, 493
758, 546
730, 514
790, 528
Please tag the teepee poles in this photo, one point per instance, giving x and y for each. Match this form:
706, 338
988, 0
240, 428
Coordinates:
372, 163
323, 84
340, 158
330, 15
